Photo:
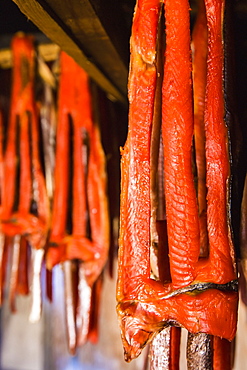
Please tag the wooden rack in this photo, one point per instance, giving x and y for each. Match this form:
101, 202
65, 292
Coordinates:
92, 32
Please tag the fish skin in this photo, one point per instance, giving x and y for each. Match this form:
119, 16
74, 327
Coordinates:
84, 308
165, 349
70, 275
223, 354
48, 119
23, 271
159, 351
14, 272
199, 351
175, 347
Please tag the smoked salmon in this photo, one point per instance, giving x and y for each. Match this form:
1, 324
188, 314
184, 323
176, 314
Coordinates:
25, 208
80, 220
200, 292
78, 141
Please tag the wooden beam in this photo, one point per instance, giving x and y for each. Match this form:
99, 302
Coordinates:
80, 29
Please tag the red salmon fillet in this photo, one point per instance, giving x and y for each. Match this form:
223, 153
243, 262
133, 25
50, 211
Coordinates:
146, 305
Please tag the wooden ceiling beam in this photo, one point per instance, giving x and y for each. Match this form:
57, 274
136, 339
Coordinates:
89, 31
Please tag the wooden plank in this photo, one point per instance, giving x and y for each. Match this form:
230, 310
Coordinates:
98, 27
77, 29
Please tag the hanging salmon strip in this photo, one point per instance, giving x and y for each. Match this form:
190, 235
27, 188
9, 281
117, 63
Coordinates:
25, 206
80, 221
79, 173
201, 294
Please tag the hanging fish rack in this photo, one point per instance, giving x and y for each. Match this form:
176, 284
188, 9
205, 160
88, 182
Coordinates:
48, 52
89, 32
96, 34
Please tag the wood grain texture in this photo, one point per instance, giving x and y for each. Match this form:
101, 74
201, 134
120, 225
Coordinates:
78, 30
